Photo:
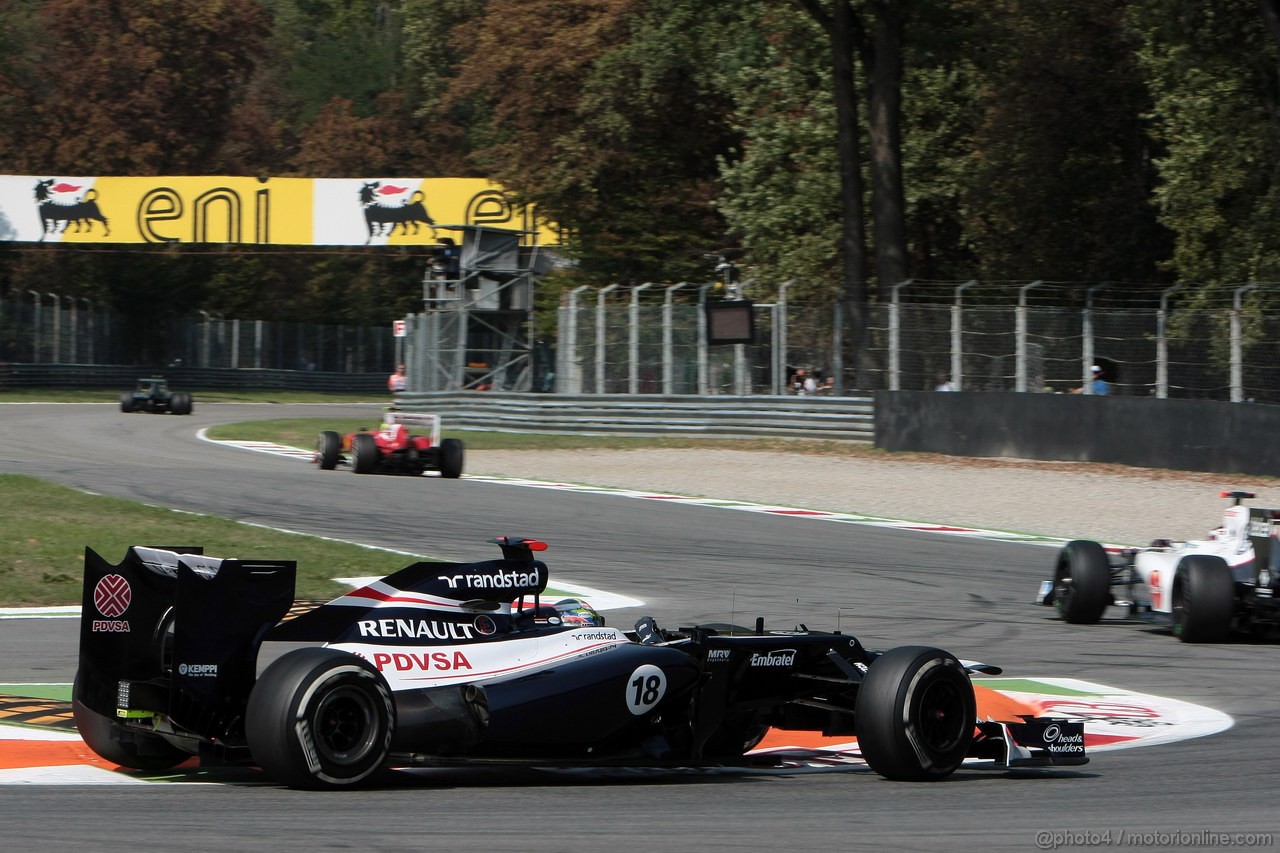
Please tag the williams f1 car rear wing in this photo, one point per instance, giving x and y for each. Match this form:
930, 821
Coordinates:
172, 632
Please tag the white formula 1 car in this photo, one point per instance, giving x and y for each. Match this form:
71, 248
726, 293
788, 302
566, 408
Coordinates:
1202, 588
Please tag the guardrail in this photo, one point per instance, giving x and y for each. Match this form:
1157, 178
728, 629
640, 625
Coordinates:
718, 416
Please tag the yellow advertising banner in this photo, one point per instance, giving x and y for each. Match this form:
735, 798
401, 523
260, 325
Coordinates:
271, 211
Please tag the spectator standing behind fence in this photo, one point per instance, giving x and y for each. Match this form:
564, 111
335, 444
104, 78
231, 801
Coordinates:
398, 381
945, 383
1097, 385
798, 380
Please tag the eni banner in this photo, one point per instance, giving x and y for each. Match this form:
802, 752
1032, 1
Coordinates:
272, 211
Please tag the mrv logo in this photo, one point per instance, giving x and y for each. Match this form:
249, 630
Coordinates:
414, 629
777, 657
495, 580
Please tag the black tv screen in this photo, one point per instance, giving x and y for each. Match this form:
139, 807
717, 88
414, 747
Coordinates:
731, 322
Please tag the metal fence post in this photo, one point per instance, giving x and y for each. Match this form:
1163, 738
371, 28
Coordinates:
633, 339
56, 358
92, 330
600, 336
73, 332
1087, 355
780, 339
895, 332
957, 337
35, 338
1020, 334
1237, 343
204, 339
1162, 342
668, 339
704, 379
837, 347
570, 357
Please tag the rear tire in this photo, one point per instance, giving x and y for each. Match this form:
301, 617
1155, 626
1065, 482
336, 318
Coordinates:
1082, 582
180, 403
328, 449
126, 402
915, 714
451, 455
364, 453
1204, 595
320, 718
139, 750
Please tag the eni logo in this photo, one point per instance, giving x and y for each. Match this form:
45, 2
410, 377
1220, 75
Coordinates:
217, 216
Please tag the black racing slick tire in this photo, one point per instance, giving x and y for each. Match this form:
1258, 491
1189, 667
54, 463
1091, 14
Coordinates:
127, 747
320, 718
180, 403
126, 402
1203, 599
1082, 582
328, 450
451, 455
364, 453
915, 714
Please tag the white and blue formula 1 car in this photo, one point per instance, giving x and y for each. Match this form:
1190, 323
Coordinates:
445, 664
1202, 588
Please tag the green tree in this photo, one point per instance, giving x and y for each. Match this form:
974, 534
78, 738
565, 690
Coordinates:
1212, 69
603, 115
1059, 176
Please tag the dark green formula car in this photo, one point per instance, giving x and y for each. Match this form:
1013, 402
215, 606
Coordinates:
153, 395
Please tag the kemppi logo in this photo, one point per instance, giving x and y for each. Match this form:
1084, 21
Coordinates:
112, 596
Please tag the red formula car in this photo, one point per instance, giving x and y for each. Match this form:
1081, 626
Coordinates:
392, 449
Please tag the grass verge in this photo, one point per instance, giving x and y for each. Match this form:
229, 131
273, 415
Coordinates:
46, 527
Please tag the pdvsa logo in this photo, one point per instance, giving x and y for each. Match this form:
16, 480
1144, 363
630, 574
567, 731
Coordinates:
112, 596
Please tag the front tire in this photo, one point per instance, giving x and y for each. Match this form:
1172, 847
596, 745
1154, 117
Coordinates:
1082, 582
138, 750
328, 448
1203, 599
126, 402
451, 454
915, 714
364, 453
320, 718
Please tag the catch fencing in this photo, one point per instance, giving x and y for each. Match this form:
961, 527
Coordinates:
49, 328
1163, 342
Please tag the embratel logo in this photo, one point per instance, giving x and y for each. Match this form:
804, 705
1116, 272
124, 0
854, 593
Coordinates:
386, 206
774, 658
60, 207
111, 597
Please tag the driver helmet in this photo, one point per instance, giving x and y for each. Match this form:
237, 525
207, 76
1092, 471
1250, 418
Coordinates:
576, 613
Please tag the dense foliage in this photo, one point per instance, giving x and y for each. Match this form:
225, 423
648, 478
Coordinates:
1118, 140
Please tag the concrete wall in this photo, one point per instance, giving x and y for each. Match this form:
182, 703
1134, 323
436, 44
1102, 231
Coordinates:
1187, 435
